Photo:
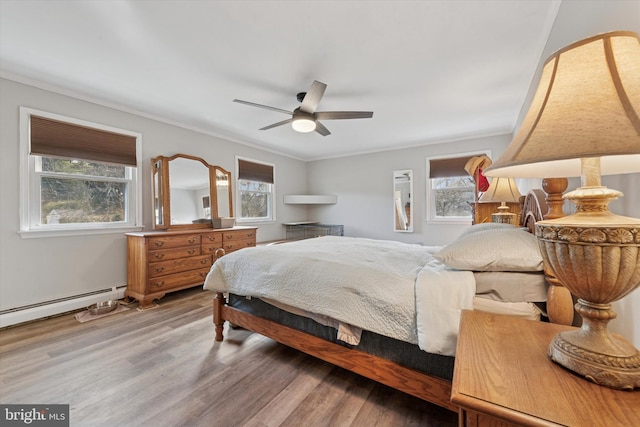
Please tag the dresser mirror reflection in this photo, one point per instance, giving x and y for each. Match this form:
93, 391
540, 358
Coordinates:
402, 203
188, 192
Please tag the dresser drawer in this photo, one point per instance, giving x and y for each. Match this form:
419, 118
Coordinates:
211, 238
229, 236
164, 283
234, 245
168, 254
177, 265
165, 242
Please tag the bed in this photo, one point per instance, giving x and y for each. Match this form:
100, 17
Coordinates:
409, 346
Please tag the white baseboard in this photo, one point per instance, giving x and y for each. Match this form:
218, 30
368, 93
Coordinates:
53, 308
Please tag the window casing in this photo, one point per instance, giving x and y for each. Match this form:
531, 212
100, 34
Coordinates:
70, 184
256, 191
450, 189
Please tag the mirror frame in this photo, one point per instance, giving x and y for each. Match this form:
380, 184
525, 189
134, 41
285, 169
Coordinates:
401, 205
163, 193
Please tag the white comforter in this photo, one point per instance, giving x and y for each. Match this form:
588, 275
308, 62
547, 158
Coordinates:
390, 288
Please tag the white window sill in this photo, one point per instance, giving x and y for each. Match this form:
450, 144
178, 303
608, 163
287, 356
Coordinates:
456, 221
51, 232
255, 221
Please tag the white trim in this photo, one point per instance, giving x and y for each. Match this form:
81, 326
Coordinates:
28, 185
39, 311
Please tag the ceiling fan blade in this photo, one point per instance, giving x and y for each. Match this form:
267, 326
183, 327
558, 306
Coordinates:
321, 129
312, 98
284, 122
266, 107
336, 115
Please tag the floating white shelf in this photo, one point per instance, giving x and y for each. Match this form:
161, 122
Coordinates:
317, 199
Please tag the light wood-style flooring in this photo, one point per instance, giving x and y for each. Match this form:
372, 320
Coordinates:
161, 367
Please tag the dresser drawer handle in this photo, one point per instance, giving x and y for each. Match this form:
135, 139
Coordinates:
211, 238
158, 256
159, 243
219, 253
203, 274
250, 235
191, 251
192, 240
159, 284
159, 269
228, 237
204, 261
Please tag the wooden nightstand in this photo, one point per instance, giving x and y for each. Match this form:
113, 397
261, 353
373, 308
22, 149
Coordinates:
502, 377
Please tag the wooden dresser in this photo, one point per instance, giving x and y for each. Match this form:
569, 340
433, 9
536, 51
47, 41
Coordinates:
503, 377
165, 261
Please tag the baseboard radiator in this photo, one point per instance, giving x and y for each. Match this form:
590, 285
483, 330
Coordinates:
14, 316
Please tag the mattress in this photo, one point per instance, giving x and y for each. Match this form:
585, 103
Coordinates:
403, 353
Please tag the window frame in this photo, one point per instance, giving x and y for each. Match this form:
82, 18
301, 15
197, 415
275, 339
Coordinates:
30, 218
430, 198
271, 198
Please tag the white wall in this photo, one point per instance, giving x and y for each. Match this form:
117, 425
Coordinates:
364, 185
42, 269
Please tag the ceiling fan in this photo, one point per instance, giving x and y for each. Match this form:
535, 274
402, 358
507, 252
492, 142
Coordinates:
305, 118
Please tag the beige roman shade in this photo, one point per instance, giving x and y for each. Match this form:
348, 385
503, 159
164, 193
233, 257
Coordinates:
250, 171
59, 139
445, 168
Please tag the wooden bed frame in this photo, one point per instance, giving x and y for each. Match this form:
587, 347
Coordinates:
427, 387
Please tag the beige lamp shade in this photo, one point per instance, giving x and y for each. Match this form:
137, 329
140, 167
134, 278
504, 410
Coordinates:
587, 105
501, 190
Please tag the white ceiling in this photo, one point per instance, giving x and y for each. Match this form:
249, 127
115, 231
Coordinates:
431, 71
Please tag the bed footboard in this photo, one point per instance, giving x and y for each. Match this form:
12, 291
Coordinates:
432, 389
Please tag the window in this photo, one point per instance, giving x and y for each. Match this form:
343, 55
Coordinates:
77, 177
450, 189
256, 191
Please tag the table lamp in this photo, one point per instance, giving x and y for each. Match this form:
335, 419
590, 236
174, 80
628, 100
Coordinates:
502, 190
584, 121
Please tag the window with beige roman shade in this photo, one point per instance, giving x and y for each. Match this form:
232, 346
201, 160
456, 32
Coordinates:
450, 189
255, 191
77, 177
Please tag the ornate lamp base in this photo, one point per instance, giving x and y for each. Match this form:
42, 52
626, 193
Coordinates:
596, 255
596, 354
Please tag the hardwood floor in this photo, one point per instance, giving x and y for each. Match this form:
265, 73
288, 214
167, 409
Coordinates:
161, 367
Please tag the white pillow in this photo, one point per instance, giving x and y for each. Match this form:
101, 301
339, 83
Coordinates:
484, 227
497, 249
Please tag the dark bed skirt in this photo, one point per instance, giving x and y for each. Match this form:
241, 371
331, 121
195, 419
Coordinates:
403, 353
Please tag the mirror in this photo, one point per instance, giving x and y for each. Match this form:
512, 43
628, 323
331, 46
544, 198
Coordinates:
402, 203
188, 185
156, 184
188, 192
223, 202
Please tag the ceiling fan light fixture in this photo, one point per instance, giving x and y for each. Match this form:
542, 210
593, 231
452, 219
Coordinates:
303, 124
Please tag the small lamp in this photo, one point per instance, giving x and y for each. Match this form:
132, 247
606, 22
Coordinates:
584, 121
502, 190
